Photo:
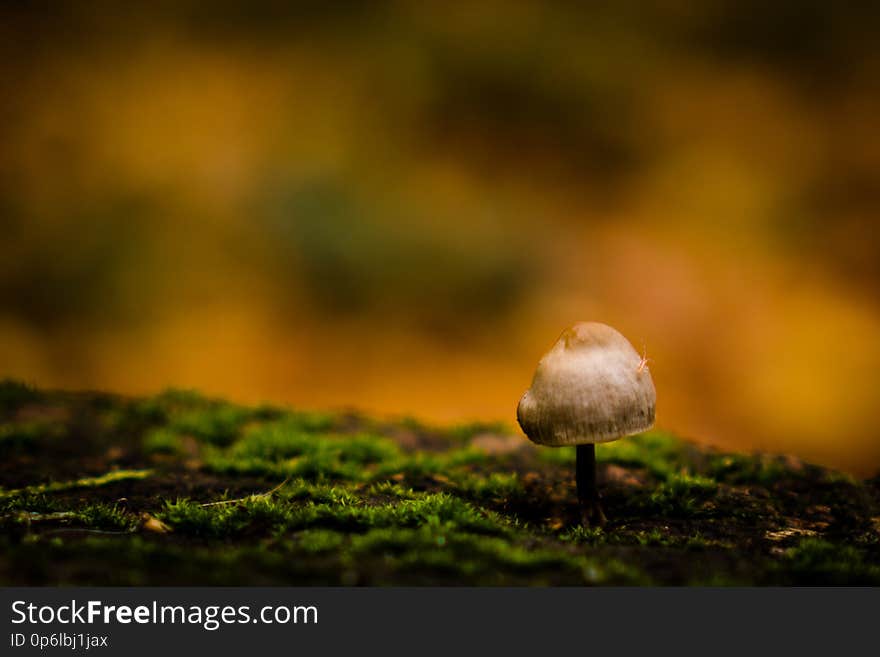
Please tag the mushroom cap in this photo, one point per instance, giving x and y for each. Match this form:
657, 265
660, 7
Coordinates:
591, 387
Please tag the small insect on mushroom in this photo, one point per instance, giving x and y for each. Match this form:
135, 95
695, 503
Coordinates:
644, 360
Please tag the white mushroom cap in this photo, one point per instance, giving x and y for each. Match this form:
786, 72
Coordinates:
591, 387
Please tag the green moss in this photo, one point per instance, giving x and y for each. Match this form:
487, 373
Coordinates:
486, 560
380, 556
682, 495
561, 456
422, 464
441, 509
818, 561
161, 407
763, 469
163, 441
222, 520
660, 454
219, 521
225, 520
27, 434
415, 466
29, 508
581, 534
100, 560
309, 421
273, 443
622, 536
85, 482
334, 507
215, 424
316, 541
106, 517
439, 547
494, 487
24, 500
285, 440
327, 457
699, 542
214, 421
302, 490
434, 510
317, 466
653, 538
282, 448
389, 489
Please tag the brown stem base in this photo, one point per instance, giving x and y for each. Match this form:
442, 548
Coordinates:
588, 494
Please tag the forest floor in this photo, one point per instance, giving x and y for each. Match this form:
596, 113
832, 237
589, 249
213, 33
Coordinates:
179, 489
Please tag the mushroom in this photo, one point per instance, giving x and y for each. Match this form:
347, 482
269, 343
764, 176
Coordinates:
591, 387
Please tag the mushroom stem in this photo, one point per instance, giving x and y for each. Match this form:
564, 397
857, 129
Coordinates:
588, 494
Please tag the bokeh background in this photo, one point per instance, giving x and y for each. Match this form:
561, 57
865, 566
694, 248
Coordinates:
398, 206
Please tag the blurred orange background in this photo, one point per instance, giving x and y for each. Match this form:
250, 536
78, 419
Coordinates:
398, 206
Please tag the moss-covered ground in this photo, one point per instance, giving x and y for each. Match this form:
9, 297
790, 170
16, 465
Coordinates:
97, 489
